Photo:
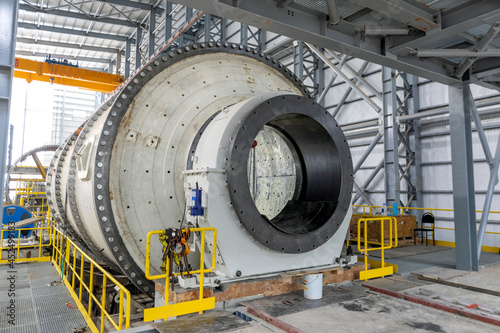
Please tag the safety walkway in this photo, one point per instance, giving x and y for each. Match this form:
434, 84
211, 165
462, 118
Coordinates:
42, 303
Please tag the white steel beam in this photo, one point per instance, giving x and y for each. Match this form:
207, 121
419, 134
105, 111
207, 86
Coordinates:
75, 15
66, 45
67, 31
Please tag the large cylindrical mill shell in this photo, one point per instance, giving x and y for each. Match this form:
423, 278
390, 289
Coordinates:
119, 176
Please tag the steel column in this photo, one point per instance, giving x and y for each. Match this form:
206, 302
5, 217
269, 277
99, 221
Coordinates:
391, 149
417, 145
152, 25
127, 59
8, 17
118, 62
223, 29
168, 21
189, 13
138, 39
262, 39
463, 178
319, 76
11, 146
244, 34
208, 27
298, 59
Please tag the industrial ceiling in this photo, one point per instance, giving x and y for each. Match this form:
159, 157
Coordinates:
90, 32
440, 40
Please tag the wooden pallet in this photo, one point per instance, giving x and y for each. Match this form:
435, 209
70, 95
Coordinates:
280, 284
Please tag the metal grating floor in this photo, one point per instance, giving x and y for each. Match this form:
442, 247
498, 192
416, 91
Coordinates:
39, 308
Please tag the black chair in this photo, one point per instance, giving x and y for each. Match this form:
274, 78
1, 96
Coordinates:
427, 219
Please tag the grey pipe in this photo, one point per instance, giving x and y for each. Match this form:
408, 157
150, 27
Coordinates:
334, 77
360, 92
359, 125
362, 194
348, 91
367, 152
357, 75
445, 110
431, 53
368, 180
362, 133
333, 12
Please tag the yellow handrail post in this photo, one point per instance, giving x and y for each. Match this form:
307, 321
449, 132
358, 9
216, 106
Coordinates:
103, 302
82, 263
202, 264
74, 269
91, 288
366, 244
127, 322
382, 240
68, 252
40, 241
120, 309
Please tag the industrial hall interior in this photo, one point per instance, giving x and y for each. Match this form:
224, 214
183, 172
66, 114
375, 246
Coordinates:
201, 166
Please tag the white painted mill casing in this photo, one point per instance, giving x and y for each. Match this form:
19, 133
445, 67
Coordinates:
274, 166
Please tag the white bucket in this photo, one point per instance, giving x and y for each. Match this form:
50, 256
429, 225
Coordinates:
313, 286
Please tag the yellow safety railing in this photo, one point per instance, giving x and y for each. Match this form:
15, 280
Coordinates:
384, 270
31, 194
368, 211
178, 309
81, 277
11, 239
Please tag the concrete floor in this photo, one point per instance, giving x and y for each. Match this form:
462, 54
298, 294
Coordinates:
413, 258
350, 307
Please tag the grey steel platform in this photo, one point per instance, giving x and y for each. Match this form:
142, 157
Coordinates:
39, 308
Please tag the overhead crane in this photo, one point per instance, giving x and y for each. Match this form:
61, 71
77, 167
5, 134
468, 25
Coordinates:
64, 74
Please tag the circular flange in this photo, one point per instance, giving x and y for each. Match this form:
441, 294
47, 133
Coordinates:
324, 174
115, 115
72, 177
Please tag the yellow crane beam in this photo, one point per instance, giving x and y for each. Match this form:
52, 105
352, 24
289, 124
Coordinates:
31, 70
